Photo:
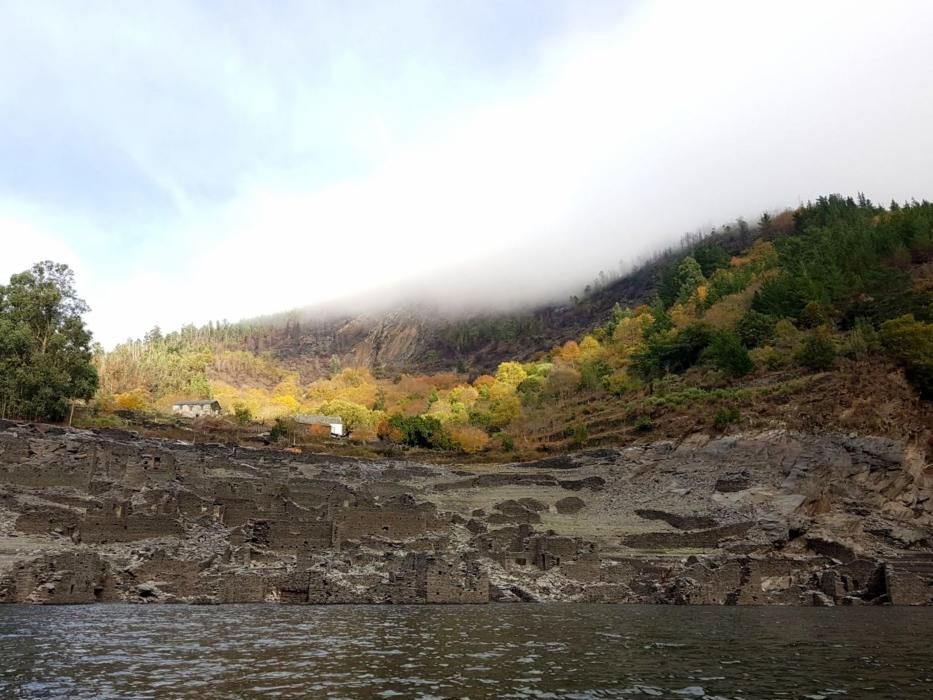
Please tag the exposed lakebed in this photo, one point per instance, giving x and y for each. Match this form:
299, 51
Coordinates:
761, 518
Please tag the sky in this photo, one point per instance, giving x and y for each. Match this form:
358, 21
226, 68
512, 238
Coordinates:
198, 161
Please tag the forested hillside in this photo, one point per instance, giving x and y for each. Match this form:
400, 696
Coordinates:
417, 338
824, 307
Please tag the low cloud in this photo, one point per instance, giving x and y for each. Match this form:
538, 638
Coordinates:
607, 145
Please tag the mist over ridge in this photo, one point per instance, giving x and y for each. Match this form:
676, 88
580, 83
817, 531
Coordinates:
496, 158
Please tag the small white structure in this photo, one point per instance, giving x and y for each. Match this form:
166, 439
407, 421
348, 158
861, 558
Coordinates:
196, 409
335, 423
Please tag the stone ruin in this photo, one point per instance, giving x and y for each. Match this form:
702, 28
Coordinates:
108, 516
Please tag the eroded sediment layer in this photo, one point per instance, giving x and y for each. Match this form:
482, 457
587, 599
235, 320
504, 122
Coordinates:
765, 518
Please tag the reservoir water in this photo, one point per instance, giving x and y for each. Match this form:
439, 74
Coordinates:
492, 651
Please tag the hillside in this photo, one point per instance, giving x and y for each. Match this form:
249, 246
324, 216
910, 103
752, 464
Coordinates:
829, 305
415, 337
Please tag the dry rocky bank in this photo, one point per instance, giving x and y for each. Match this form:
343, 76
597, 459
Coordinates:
766, 518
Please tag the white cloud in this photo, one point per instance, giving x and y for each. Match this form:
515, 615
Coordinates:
24, 244
617, 140
27, 237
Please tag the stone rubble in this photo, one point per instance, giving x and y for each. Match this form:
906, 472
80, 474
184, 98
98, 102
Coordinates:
752, 519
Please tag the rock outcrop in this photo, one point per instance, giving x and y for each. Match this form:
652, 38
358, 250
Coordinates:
767, 518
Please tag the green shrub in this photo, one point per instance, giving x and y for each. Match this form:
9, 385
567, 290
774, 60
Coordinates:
668, 384
242, 414
861, 341
279, 430
105, 420
593, 374
768, 357
531, 389
671, 351
816, 314
620, 382
725, 416
727, 353
643, 424
817, 352
910, 342
756, 329
419, 431
481, 419
580, 435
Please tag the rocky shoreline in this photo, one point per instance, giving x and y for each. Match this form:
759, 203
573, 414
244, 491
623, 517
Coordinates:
749, 519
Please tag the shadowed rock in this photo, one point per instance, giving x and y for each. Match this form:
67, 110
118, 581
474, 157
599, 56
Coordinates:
570, 505
681, 522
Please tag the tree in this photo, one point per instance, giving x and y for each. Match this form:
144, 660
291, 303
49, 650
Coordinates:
780, 296
511, 373
563, 380
711, 258
468, 438
354, 416
680, 278
45, 349
530, 390
153, 336
690, 276
504, 405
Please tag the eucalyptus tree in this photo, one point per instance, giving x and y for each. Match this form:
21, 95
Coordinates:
45, 347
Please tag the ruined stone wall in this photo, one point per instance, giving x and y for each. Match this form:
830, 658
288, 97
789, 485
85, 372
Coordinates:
110, 516
243, 588
451, 581
48, 518
294, 536
62, 579
396, 519
115, 524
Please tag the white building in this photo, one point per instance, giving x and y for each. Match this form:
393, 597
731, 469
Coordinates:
335, 423
196, 409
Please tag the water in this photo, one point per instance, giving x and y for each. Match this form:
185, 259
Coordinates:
494, 651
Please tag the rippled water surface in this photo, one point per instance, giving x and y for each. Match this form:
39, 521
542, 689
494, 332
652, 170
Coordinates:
501, 651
